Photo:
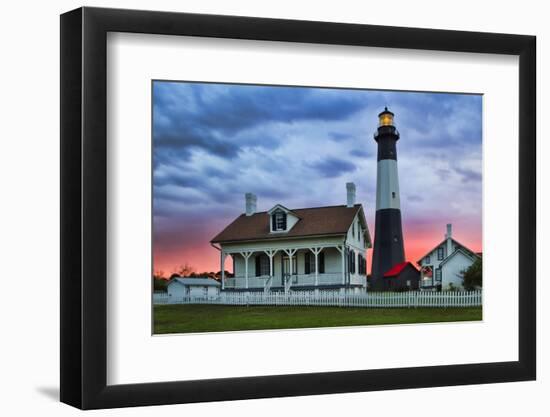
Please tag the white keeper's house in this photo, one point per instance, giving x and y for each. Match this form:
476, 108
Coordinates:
443, 266
286, 249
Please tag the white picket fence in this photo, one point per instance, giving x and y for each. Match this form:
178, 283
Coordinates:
409, 299
161, 298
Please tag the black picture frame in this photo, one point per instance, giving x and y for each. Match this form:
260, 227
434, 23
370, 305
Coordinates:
84, 207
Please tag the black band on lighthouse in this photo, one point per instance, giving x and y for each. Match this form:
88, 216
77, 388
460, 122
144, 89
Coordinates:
387, 136
388, 244
387, 148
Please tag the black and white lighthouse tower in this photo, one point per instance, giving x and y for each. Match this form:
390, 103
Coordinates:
388, 235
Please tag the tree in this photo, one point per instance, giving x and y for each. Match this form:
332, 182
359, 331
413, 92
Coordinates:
185, 270
158, 274
159, 284
473, 275
159, 281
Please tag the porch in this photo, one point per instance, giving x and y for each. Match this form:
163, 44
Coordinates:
284, 269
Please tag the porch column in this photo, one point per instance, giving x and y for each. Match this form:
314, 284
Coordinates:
246, 255
316, 252
271, 253
222, 265
290, 253
343, 266
343, 252
316, 269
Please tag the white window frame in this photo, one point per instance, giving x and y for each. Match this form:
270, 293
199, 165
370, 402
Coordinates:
279, 221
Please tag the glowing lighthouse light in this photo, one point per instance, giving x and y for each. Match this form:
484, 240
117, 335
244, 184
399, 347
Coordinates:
385, 118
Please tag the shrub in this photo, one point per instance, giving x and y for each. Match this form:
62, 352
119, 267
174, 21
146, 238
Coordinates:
473, 276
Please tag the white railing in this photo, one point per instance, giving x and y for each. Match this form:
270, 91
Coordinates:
288, 281
296, 280
358, 279
240, 282
267, 285
337, 299
322, 279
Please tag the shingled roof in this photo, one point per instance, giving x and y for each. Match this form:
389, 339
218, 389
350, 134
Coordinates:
334, 220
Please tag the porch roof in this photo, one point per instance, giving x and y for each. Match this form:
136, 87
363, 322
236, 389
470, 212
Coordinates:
332, 220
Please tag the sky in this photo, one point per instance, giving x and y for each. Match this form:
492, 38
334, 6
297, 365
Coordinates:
298, 146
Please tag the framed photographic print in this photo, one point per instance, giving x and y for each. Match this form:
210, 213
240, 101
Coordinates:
279, 208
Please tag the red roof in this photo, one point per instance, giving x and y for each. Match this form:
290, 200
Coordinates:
397, 269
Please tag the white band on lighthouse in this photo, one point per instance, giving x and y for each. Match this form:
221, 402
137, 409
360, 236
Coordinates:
387, 188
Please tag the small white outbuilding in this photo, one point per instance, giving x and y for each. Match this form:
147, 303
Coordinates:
195, 288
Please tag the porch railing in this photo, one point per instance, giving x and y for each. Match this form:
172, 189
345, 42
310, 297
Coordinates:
296, 280
240, 282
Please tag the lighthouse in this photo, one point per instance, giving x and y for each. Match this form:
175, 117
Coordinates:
388, 237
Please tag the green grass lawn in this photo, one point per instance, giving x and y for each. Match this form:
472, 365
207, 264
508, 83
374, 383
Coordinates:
218, 318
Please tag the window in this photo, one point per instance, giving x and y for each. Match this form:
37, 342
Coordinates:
205, 290
393, 194
309, 263
353, 230
351, 262
427, 259
362, 264
440, 253
279, 221
321, 261
438, 274
289, 265
262, 265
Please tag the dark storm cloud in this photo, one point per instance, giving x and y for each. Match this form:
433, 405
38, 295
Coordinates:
333, 167
180, 118
226, 120
298, 147
214, 142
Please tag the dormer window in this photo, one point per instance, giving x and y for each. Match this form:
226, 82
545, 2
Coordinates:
279, 221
